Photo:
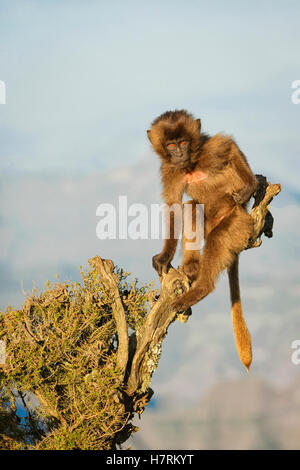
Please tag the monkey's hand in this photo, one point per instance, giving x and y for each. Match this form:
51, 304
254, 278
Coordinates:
237, 198
161, 262
242, 196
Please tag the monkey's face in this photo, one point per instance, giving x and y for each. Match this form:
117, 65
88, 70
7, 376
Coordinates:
175, 137
178, 151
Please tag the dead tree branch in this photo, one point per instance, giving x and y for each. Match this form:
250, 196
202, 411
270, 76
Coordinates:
111, 280
262, 217
152, 333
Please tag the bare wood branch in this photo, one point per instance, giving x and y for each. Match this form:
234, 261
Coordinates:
111, 280
262, 217
152, 333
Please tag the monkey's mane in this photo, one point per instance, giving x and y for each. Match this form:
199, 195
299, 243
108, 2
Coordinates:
173, 116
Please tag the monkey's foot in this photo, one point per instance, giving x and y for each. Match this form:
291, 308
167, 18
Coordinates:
178, 287
179, 306
187, 300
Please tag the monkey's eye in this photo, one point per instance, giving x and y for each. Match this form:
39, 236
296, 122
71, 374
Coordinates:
171, 146
183, 142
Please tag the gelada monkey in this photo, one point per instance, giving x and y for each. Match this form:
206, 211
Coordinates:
214, 172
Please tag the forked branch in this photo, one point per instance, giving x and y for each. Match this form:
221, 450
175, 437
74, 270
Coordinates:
105, 268
262, 217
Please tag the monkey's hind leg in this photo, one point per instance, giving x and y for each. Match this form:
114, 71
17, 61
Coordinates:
222, 245
192, 237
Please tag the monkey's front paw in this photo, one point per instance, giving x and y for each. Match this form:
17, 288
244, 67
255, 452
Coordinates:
161, 263
237, 198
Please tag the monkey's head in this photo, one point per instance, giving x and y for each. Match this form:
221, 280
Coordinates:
175, 137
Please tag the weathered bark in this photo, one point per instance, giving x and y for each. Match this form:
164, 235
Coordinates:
111, 280
262, 217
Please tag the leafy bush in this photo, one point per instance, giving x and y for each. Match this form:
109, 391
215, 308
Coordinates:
61, 345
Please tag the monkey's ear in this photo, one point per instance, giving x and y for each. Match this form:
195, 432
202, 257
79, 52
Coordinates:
198, 121
148, 134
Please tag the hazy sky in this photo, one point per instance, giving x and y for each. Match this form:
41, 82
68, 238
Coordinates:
85, 79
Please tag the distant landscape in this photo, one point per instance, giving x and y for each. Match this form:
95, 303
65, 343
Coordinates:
240, 414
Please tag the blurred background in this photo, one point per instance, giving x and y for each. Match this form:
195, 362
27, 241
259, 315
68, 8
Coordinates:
83, 81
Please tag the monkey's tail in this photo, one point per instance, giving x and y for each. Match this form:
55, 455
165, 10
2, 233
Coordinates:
241, 333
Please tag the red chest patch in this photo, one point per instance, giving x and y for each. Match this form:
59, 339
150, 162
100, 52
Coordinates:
195, 177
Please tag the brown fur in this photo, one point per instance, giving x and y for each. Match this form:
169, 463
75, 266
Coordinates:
224, 193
